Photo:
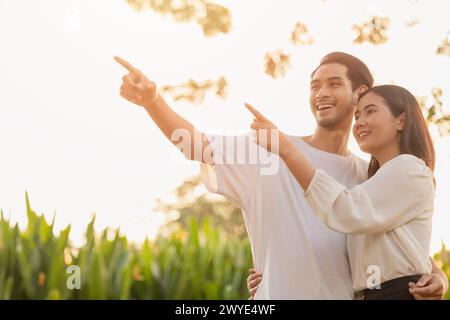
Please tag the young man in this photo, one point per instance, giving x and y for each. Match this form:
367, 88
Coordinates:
299, 257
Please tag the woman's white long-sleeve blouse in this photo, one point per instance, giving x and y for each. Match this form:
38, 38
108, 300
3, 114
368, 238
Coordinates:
387, 219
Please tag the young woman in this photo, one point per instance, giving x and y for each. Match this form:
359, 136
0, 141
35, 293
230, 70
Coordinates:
388, 217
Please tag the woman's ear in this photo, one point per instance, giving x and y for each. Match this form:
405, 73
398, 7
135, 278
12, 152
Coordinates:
401, 120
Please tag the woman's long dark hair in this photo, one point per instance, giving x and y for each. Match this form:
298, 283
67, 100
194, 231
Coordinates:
415, 138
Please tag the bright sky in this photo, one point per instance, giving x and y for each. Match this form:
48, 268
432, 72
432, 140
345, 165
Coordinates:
68, 138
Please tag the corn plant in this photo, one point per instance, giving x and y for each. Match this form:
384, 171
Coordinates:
199, 262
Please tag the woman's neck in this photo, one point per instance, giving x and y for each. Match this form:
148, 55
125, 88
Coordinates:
387, 154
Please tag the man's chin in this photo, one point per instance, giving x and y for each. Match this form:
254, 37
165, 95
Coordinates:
327, 123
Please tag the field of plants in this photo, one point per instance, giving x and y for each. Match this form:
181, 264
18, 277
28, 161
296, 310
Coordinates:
195, 262
198, 263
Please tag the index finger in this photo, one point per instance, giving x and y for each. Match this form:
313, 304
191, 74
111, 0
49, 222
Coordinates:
255, 112
126, 65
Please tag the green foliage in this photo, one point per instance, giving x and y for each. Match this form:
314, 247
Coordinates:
443, 260
197, 262
32, 261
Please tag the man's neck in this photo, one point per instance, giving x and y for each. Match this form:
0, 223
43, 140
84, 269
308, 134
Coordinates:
330, 140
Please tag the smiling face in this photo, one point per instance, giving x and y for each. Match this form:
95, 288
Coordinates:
332, 99
376, 129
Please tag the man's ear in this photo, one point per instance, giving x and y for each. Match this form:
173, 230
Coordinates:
363, 88
401, 120
359, 91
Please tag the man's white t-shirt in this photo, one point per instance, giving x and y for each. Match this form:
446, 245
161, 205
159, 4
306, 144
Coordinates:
298, 256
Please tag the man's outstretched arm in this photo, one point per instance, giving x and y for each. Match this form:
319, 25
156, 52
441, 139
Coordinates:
138, 89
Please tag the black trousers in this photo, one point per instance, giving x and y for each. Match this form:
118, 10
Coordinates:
395, 289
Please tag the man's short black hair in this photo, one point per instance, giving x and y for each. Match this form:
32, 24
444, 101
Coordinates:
357, 71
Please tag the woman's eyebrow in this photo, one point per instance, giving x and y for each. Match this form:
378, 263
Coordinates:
369, 105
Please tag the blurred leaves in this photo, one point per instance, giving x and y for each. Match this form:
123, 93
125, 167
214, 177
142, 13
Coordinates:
276, 63
413, 22
217, 19
373, 31
435, 114
444, 47
194, 202
212, 18
195, 92
300, 35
